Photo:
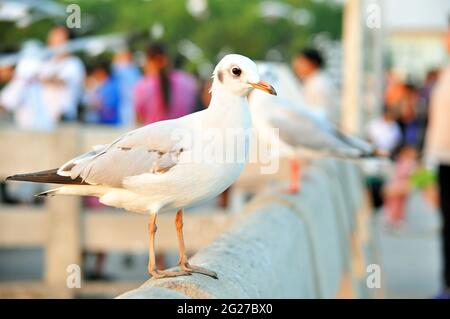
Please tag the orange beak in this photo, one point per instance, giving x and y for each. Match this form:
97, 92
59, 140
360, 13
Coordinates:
264, 86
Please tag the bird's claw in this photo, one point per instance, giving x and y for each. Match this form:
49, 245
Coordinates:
293, 189
199, 270
157, 274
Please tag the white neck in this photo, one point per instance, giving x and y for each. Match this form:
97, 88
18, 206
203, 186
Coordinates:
227, 109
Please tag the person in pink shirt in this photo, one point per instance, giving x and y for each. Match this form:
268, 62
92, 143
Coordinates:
397, 189
163, 93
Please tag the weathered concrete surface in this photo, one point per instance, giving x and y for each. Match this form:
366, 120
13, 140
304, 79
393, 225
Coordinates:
282, 246
150, 292
411, 254
261, 257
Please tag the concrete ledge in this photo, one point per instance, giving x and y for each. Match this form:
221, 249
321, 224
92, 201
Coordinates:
280, 246
260, 257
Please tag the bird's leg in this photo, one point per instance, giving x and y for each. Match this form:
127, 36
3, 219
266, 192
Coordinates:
151, 250
294, 176
152, 259
183, 259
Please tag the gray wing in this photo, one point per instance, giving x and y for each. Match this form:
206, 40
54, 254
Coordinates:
149, 149
301, 127
298, 125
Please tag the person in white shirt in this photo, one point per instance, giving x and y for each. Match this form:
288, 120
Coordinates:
62, 77
23, 94
318, 91
384, 132
43, 91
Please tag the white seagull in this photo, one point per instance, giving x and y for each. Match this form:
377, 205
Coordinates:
150, 170
301, 131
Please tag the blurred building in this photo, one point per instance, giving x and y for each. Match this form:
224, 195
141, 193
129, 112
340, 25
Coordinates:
414, 35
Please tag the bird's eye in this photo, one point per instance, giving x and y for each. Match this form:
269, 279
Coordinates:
236, 71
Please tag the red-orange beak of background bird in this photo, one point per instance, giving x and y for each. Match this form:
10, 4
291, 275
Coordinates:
264, 86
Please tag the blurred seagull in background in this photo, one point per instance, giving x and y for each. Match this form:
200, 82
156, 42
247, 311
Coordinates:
149, 170
302, 132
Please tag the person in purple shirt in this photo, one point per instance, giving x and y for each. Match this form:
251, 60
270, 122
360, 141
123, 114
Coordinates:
163, 93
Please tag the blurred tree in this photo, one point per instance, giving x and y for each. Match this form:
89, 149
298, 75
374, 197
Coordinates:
226, 25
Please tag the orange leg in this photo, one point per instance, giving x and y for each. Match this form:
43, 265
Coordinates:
294, 176
223, 198
183, 259
151, 253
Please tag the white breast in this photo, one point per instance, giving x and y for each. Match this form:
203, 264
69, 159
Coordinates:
195, 179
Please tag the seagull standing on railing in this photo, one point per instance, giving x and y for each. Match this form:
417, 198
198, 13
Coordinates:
150, 170
302, 132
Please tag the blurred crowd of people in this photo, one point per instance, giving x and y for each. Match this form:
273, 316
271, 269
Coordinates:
43, 91
400, 131
414, 130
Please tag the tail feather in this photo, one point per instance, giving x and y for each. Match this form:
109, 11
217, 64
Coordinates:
48, 176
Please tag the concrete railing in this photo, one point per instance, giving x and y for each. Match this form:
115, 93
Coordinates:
312, 245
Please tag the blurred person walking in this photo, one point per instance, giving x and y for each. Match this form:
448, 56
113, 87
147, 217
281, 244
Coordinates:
411, 127
163, 93
385, 134
394, 91
103, 95
423, 106
438, 149
23, 95
127, 74
62, 77
425, 93
399, 185
384, 131
44, 91
318, 90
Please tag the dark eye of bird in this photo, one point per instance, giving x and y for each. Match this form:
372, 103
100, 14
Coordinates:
236, 71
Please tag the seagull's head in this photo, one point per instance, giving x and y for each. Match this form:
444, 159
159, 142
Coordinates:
238, 75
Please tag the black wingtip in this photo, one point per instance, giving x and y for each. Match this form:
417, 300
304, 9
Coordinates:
12, 178
49, 176
45, 194
17, 177
41, 195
